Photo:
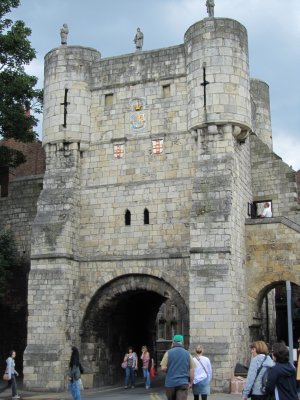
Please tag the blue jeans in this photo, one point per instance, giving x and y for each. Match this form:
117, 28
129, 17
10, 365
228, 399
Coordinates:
146, 374
13, 384
74, 388
129, 373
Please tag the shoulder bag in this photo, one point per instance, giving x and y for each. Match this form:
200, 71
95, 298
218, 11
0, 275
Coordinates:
257, 372
6, 377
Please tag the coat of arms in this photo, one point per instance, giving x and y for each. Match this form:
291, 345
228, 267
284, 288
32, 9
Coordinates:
137, 117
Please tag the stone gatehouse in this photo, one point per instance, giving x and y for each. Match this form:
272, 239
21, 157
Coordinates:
153, 160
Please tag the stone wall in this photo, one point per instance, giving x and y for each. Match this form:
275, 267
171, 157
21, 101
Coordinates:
18, 210
139, 139
17, 213
273, 180
272, 257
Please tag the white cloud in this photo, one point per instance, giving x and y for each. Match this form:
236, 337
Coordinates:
273, 30
287, 144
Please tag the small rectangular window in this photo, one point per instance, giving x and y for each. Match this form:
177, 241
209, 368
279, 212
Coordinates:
109, 99
166, 91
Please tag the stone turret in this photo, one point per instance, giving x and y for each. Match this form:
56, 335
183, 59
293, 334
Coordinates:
68, 68
220, 46
261, 114
222, 187
66, 133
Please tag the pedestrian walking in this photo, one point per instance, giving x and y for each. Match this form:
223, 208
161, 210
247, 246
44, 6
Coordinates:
148, 363
12, 374
131, 365
75, 371
259, 363
179, 367
202, 374
281, 382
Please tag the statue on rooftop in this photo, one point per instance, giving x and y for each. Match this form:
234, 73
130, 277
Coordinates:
210, 5
139, 39
64, 34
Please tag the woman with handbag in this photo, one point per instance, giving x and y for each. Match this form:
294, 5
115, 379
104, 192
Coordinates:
202, 374
75, 371
259, 362
131, 361
11, 373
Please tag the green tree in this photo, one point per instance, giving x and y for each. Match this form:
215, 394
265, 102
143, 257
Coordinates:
18, 92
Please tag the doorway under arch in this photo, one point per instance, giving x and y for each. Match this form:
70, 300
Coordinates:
125, 312
272, 324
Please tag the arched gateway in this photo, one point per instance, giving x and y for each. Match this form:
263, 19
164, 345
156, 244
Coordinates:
147, 131
124, 312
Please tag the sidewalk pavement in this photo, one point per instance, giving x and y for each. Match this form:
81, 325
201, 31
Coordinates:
92, 392
65, 395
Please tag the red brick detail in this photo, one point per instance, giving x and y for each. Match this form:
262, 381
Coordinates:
35, 158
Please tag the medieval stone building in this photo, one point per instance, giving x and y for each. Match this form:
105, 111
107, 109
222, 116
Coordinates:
155, 161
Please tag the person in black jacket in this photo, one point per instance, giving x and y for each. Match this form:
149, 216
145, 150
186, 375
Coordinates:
282, 377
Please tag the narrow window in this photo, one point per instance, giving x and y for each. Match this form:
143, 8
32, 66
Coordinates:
109, 99
146, 216
4, 179
128, 217
166, 91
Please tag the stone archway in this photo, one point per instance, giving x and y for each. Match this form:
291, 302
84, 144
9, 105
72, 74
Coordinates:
271, 312
121, 313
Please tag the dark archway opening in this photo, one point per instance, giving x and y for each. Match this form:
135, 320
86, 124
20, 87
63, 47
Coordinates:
135, 314
273, 322
122, 314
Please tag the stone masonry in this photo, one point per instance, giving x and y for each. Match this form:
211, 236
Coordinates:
145, 200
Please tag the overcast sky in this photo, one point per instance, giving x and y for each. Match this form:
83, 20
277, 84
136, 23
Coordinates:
109, 26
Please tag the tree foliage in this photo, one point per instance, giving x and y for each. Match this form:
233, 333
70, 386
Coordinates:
18, 92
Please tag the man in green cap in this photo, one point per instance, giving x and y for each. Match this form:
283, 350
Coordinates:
179, 367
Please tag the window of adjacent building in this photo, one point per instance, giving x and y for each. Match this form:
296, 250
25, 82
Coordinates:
166, 91
146, 217
128, 217
109, 99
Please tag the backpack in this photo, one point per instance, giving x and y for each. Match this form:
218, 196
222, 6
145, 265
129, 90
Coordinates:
75, 373
264, 380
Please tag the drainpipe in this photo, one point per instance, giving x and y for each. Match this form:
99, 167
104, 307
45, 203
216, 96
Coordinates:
290, 322
267, 320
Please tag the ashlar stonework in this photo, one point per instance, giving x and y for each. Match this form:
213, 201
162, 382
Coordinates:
145, 201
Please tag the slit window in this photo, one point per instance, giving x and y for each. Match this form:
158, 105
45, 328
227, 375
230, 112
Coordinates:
128, 217
146, 216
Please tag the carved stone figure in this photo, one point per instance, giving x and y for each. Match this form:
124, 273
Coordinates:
139, 39
64, 34
210, 5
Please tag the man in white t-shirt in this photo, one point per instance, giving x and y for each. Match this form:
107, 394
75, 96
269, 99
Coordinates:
267, 212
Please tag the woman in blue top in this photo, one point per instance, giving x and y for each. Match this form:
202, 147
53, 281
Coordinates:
12, 373
259, 362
